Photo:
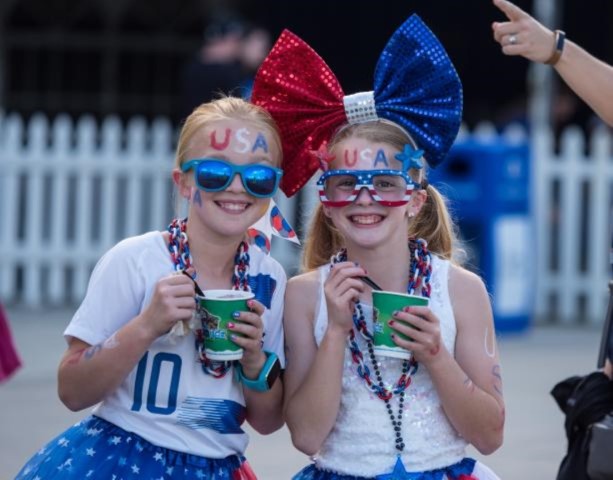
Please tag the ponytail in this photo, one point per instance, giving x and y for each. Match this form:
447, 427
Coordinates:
433, 223
322, 241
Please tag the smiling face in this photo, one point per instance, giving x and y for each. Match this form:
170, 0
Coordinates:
365, 221
229, 212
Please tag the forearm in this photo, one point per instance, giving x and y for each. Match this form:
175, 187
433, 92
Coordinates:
265, 409
590, 78
476, 414
311, 411
87, 375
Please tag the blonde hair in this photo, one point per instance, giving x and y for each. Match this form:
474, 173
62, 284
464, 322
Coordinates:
225, 108
433, 222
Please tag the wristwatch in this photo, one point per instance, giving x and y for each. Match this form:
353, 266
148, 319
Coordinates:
267, 377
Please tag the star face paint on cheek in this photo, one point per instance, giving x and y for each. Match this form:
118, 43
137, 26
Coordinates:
197, 198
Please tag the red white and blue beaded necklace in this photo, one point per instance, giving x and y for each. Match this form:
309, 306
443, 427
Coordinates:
178, 246
420, 272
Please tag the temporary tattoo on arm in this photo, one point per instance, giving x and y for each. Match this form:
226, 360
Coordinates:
497, 379
490, 343
468, 383
91, 351
111, 342
502, 418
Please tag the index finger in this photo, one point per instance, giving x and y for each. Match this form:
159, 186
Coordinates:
512, 11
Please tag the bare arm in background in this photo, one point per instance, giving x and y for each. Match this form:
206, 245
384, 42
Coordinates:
590, 78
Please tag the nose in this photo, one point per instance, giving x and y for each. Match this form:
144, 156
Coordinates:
236, 185
364, 197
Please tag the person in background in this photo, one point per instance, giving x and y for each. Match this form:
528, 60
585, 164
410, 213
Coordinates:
216, 67
9, 358
590, 78
162, 408
254, 48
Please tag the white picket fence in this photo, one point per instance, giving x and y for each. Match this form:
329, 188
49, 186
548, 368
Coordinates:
70, 191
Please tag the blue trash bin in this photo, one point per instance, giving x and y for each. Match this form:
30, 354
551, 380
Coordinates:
488, 186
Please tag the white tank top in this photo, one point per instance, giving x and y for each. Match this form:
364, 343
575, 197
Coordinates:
362, 442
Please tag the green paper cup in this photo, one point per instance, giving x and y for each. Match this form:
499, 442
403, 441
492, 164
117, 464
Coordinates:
384, 306
215, 311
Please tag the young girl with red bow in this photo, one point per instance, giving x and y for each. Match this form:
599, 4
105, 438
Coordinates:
360, 415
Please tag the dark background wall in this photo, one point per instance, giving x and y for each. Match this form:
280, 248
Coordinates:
125, 56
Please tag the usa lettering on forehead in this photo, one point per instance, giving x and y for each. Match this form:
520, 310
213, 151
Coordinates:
379, 160
242, 141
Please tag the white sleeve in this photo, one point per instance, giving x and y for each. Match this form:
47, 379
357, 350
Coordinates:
273, 340
114, 295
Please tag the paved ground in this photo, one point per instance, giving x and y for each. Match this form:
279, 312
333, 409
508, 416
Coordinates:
30, 413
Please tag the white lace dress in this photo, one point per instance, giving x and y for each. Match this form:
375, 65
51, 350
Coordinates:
362, 442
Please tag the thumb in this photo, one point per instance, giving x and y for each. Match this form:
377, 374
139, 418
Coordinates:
512, 11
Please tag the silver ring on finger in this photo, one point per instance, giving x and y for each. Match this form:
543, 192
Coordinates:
513, 39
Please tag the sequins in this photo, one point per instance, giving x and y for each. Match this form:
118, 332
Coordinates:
415, 86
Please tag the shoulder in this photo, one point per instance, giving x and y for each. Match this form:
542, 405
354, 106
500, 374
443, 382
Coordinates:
138, 243
308, 281
132, 250
263, 263
464, 282
303, 291
468, 295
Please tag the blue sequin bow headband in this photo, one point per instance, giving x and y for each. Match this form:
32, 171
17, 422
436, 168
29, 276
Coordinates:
416, 86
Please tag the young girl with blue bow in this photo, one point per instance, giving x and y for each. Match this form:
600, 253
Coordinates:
362, 416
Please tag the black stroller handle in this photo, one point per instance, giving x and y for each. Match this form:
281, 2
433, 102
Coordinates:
606, 342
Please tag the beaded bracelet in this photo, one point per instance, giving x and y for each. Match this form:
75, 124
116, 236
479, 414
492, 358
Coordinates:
558, 47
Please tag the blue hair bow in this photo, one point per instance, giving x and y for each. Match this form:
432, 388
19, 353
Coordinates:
415, 86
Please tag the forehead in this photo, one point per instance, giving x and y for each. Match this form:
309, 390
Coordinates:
235, 140
362, 154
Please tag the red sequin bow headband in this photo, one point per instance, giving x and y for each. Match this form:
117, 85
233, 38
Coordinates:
415, 86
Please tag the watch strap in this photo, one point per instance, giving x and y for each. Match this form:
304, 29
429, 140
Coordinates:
262, 383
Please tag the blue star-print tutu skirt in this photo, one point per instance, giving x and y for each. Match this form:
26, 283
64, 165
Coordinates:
95, 448
466, 469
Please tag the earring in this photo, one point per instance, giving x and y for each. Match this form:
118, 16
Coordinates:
411, 214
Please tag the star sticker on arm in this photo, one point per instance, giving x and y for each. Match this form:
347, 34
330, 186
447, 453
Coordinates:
323, 156
410, 158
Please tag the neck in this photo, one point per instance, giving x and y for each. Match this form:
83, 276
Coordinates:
387, 265
213, 256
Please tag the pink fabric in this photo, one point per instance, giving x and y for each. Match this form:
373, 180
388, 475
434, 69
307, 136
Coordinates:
9, 359
244, 473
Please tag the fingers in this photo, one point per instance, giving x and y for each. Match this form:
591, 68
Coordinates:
421, 327
342, 271
504, 29
512, 11
249, 325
